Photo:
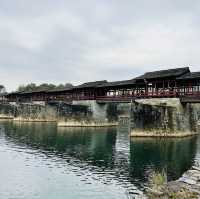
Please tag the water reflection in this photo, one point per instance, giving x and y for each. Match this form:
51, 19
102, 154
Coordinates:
95, 145
174, 155
104, 154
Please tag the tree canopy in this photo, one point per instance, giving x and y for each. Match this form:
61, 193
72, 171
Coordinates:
44, 86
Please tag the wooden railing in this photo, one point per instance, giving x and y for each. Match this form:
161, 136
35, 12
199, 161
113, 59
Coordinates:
174, 92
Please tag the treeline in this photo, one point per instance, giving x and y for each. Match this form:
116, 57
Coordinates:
45, 86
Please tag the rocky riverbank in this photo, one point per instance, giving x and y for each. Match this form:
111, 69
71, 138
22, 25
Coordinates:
186, 187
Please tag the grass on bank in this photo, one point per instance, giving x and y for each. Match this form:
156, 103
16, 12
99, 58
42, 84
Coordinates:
158, 179
158, 188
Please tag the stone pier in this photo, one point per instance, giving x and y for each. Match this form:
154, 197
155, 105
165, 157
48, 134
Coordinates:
81, 113
164, 117
100, 115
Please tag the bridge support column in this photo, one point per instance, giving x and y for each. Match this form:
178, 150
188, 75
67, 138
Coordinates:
164, 117
106, 112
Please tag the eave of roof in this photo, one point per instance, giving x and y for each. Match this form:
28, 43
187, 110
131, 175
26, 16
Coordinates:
118, 83
176, 72
3, 94
193, 75
34, 91
59, 90
14, 93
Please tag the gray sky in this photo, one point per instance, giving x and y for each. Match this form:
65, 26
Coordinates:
59, 41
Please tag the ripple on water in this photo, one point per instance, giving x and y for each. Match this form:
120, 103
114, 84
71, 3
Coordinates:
46, 163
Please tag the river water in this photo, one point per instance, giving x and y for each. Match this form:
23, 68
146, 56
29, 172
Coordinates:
41, 161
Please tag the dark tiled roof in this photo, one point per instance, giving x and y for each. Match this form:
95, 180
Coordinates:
60, 90
177, 72
91, 84
27, 92
3, 94
194, 75
13, 93
118, 83
34, 91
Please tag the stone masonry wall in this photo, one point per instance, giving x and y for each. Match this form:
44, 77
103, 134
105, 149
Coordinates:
100, 112
88, 111
166, 115
44, 112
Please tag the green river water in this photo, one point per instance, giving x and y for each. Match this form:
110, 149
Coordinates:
41, 161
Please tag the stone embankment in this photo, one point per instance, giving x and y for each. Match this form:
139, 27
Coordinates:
147, 134
21, 119
86, 124
2, 117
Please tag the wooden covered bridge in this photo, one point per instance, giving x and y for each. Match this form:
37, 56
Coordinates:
178, 82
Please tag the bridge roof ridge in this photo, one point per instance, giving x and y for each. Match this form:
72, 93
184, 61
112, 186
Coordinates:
93, 84
118, 83
174, 72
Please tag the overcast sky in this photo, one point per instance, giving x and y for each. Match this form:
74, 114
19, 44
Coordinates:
59, 41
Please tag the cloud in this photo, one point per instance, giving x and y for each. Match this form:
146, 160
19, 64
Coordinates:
76, 41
